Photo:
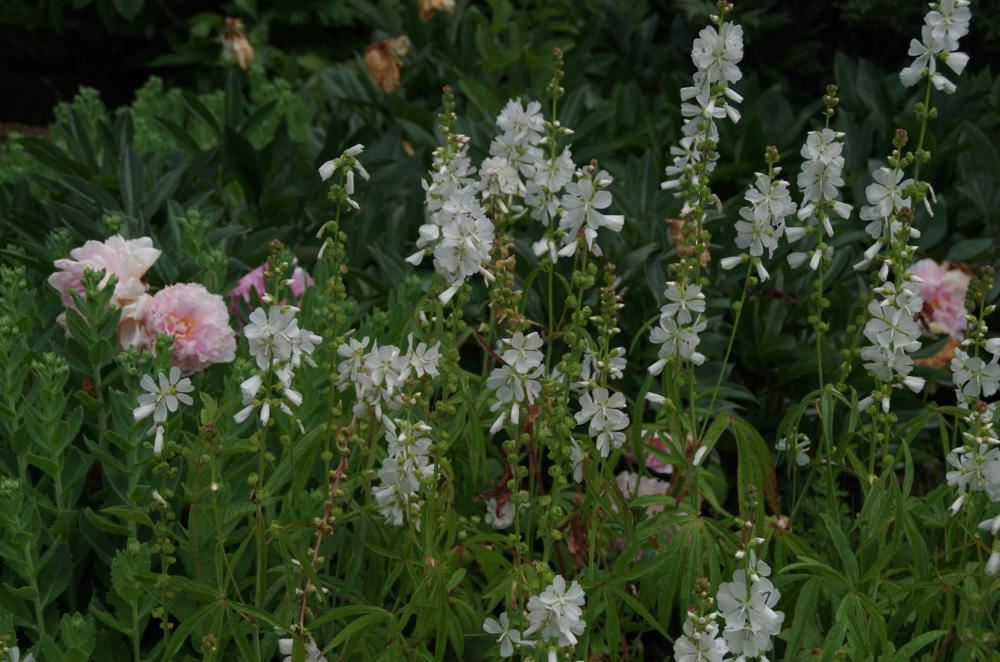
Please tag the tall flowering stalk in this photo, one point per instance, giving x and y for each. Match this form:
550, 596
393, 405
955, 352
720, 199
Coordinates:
716, 54
895, 295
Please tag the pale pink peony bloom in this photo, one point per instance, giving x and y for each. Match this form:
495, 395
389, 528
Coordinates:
128, 260
633, 486
943, 291
254, 281
197, 320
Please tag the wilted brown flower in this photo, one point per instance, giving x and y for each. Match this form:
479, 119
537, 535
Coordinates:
235, 45
429, 7
383, 59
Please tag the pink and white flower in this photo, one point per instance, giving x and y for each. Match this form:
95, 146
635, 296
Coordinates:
197, 320
126, 259
254, 281
943, 291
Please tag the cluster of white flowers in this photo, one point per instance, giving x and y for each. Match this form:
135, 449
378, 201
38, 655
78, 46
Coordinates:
893, 335
976, 463
378, 375
700, 641
819, 180
769, 204
403, 471
556, 615
593, 368
886, 200
716, 54
679, 325
944, 25
349, 164
516, 381
279, 346
459, 234
604, 412
582, 207
746, 604
163, 396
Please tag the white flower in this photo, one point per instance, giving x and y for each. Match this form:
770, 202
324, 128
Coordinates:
977, 469
973, 376
677, 341
15, 655
582, 205
523, 354
756, 234
681, 302
801, 450
313, 653
770, 199
949, 22
270, 334
507, 636
162, 397
747, 608
703, 646
557, 612
885, 195
499, 518
716, 54
499, 177
602, 411
423, 359
403, 471
523, 124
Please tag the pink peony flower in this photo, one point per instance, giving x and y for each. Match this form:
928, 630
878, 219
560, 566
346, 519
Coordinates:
197, 320
254, 280
128, 260
654, 460
943, 291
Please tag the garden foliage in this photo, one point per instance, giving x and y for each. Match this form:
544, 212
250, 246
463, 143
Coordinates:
336, 365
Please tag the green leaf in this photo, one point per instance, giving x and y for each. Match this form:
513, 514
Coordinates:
847, 560
908, 651
129, 9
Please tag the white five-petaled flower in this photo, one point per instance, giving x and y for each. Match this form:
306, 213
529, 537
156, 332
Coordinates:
507, 636
716, 54
522, 351
582, 204
603, 411
162, 397
973, 376
703, 646
271, 334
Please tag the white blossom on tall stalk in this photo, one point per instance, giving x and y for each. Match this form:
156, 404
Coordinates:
680, 323
746, 604
603, 412
348, 164
163, 396
556, 613
279, 347
379, 374
701, 641
944, 25
819, 180
582, 206
516, 382
769, 204
459, 234
405, 468
976, 463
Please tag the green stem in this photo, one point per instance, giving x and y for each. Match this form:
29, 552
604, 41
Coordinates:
729, 349
923, 129
29, 560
